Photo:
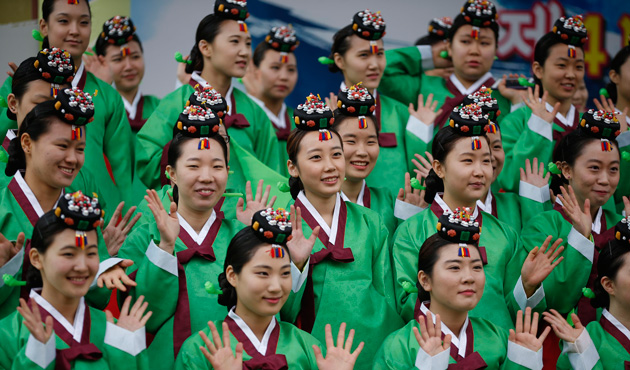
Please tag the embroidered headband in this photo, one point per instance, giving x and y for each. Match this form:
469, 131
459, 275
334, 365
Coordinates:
81, 213
479, 13
118, 30
369, 26
198, 122
209, 98
314, 115
469, 120
356, 101
75, 107
284, 40
458, 227
572, 32
56, 66
273, 227
601, 125
233, 9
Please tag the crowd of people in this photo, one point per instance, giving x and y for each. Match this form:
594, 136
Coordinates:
425, 215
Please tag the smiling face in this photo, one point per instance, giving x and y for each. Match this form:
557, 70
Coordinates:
37, 91
54, 159
560, 75
360, 147
229, 52
498, 154
67, 271
127, 71
472, 58
467, 173
456, 283
68, 27
358, 64
595, 174
200, 175
277, 80
320, 165
263, 285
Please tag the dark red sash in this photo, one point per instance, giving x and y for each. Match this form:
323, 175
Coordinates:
137, 123
385, 139
585, 310
455, 100
84, 349
271, 360
367, 197
6, 142
335, 252
81, 83
558, 135
494, 205
283, 132
181, 321
26, 265
23, 201
471, 360
233, 118
611, 329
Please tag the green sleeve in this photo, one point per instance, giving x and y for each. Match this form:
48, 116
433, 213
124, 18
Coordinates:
6, 123
401, 79
293, 305
405, 260
397, 352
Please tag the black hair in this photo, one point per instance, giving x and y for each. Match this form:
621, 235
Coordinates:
541, 52
242, 248
341, 117
428, 39
460, 21
259, 52
293, 147
609, 262
568, 150
100, 46
44, 233
207, 30
25, 73
428, 256
443, 143
48, 6
36, 123
615, 65
341, 45
175, 151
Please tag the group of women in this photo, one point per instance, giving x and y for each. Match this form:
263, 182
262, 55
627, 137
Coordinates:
436, 216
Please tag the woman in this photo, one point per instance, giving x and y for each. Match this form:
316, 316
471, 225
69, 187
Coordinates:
451, 280
271, 79
258, 265
358, 53
350, 278
66, 25
462, 170
534, 130
222, 51
65, 260
605, 344
190, 242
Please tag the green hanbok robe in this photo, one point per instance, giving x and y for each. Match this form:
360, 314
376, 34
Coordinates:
350, 277
380, 200
99, 344
282, 343
481, 344
515, 209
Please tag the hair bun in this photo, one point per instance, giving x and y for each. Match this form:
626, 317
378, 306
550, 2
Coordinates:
79, 211
368, 25
272, 226
282, 39
356, 101
118, 30
314, 115
622, 230
75, 106
207, 97
458, 227
198, 122
55, 65
440, 27
483, 98
231, 9
600, 124
571, 30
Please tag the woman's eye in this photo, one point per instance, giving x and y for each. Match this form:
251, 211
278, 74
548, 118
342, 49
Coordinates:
81, 150
62, 146
363, 55
315, 157
349, 142
337, 154
454, 268
594, 168
192, 166
85, 23
467, 160
275, 68
262, 273
614, 169
286, 273
487, 161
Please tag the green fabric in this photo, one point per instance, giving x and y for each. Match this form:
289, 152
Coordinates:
259, 138
623, 189
612, 354
505, 259
514, 210
563, 287
15, 335
295, 344
160, 288
283, 156
401, 78
400, 349
139, 189
358, 293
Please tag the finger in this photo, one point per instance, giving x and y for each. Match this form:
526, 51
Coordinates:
401, 194
447, 341
226, 335
534, 326
99, 282
124, 311
527, 320
357, 351
423, 328
49, 326
519, 321
239, 204
20, 241
128, 215
118, 285
544, 334
109, 316
272, 201
419, 339
407, 183
576, 321
598, 104
438, 325
207, 342
545, 244
420, 101
136, 306
318, 352
259, 191
128, 281
296, 218
329, 338
528, 169
523, 176
265, 196
131, 224
116, 214
556, 109
512, 336
348, 346
248, 191
239, 352
215, 335
341, 335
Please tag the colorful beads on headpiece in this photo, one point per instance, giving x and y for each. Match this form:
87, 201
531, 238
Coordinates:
572, 32
459, 227
56, 66
440, 27
314, 115
118, 30
79, 211
198, 122
209, 98
479, 13
469, 120
233, 9
484, 99
601, 124
272, 226
75, 107
369, 26
284, 40
622, 229
356, 101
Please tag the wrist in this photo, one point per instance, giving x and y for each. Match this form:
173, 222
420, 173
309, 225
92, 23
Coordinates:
167, 247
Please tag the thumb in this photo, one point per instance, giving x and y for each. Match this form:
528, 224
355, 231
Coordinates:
239, 351
315, 234
318, 353
239, 204
576, 321
401, 194
587, 207
447, 341
173, 210
19, 242
556, 108
126, 263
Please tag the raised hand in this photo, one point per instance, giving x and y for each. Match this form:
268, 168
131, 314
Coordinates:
534, 174
411, 195
426, 111
98, 66
331, 101
115, 277
167, 224
608, 105
423, 166
219, 354
514, 95
580, 219
300, 246
526, 329
539, 106
561, 327
134, 318
626, 206
539, 264
430, 336
116, 232
33, 321
13, 68
8, 250
254, 204
182, 76
338, 357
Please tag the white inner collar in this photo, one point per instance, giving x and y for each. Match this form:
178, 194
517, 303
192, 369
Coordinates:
75, 330
198, 238
196, 75
458, 341
613, 320
260, 345
473, 88
487, 205
279, 120
78, 75
568, 120
11, 134
445, 207
330, 231
32, 199
132, 108
359, 198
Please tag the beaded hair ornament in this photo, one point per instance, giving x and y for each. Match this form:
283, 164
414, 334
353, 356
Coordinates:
233, 9
284, 40
314, 115
81, 213
469, 120
356, 101
479, 13
369, 26
75, 107
602, 125
273, 227
56, 66
198, 122
489, 106
458, 227
571, 31
118, 30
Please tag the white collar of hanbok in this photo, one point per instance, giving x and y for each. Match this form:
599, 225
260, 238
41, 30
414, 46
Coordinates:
566, 120
132, 108
32, 199
359, 198
474, 87
280, 119
331, 231
75, 330
198, 238
260, 345
78, 75
486, 206
613, 320
445, 207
